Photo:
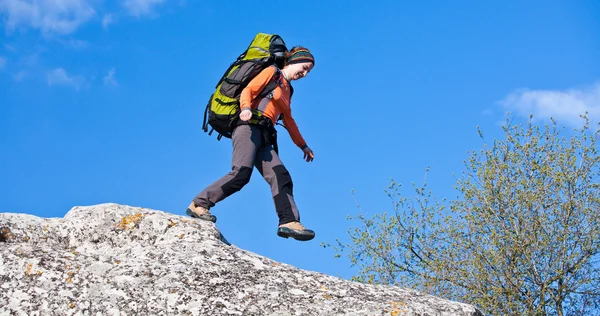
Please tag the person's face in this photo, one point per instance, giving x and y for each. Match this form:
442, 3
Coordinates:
300, 70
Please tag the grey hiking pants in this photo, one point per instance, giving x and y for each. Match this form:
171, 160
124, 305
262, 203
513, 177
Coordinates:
249, 150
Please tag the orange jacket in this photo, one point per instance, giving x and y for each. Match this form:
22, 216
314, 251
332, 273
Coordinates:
279, 104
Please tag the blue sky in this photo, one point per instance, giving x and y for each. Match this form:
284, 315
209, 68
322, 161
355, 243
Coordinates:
102, 101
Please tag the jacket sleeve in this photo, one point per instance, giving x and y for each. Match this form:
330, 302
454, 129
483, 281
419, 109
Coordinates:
255, 86
292, 128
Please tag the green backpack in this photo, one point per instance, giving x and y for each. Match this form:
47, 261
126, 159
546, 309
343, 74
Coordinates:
224, 105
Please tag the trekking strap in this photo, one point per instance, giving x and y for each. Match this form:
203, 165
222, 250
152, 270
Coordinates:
205, 122
281, 125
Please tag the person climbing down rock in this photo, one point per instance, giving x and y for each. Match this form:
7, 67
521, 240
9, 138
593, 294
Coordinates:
255, 144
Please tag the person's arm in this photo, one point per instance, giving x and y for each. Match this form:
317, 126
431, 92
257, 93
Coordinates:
293, 130
255, 86
297, 138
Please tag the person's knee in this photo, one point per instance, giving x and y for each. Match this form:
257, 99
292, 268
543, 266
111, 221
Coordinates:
284, 180
240, 179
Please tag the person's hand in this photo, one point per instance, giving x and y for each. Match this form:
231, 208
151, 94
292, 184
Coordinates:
246, 114
308, 154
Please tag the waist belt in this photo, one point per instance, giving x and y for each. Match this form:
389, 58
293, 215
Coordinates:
268, 130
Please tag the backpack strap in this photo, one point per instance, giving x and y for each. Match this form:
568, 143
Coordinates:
273, 83
205, 122
266, 94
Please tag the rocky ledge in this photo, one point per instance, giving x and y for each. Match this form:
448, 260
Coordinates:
113, 259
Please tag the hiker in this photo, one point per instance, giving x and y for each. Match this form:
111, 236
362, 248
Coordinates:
255, 145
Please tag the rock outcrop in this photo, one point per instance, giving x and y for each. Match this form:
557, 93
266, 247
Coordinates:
112, 259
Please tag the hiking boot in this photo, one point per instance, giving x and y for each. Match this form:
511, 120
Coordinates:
296, 231
200, 212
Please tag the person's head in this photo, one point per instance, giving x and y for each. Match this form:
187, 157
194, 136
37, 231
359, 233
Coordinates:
298, 63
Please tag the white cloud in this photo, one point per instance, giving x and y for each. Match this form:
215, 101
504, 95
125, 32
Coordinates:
109, 79
50, 16
2, 62
564, 105
107, 20
59, 77
141, 7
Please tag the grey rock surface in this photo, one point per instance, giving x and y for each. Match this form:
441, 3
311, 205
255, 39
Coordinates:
112, 259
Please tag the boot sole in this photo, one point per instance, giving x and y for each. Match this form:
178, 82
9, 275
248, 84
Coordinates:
296, 234
206, 217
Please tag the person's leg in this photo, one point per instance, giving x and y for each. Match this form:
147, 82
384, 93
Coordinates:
246, 140
282, 188
272, 169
